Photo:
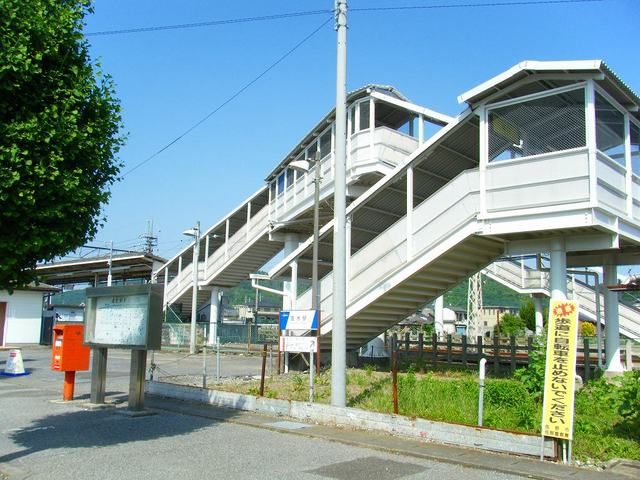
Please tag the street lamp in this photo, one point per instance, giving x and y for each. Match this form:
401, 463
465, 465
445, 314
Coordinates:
195, 233
305, 166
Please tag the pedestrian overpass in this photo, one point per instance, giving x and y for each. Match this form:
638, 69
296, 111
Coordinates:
544, 159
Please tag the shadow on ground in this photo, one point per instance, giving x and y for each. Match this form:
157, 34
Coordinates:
102, 428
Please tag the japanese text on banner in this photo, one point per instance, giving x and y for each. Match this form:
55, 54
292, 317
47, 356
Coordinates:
560, 370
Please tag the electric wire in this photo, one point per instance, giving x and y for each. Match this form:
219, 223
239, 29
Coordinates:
300, 43
209, 23
471, 5
212, 23
230, 99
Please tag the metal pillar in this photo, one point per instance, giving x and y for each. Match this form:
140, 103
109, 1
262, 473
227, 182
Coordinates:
214, 314
537, 303
136, 380
558, 270
612, 325
438, 315
194, 299
339, 330
98, 375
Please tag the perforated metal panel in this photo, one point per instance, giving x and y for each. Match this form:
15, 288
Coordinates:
543, 125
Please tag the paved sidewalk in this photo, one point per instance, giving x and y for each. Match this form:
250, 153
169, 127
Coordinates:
509, 464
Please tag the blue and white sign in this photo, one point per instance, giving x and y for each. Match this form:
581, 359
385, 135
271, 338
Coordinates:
299, 320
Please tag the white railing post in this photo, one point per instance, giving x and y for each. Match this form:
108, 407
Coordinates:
226, 240
372, 130
179, 269
206, 255
248, 219
627, 162
592, 146
409, 212
484, 159
420, 129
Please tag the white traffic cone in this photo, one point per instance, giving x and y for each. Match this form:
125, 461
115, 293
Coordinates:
14, 366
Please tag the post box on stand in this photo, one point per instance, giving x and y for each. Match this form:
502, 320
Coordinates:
69, 354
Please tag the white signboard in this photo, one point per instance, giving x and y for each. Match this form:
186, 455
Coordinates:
121, 320
298, 320
298, 344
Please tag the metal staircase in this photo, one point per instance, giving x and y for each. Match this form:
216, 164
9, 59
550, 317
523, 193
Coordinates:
517, 276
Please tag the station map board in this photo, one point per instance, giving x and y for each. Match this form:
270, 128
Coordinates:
128, 317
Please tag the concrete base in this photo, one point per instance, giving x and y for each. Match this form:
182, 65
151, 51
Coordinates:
415, 428
98, 406
135, 413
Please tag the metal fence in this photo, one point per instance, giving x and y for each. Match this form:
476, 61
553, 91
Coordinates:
503, 354
177, 335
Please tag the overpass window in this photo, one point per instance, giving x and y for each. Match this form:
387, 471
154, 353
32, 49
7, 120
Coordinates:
325, 144
635, 149
609, 130
547, 124
364, 115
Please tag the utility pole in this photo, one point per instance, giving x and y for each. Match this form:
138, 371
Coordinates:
339, 331
195, 233
315, 294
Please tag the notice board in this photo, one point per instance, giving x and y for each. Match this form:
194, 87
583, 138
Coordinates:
128, 317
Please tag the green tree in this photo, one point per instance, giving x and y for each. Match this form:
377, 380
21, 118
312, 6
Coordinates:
59, 135
528, 313
510, 325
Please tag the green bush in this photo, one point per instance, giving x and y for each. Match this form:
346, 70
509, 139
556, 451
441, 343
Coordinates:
629, 407
509, 398
532, 376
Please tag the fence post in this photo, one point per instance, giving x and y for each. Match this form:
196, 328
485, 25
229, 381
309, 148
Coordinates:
262, 371
394, 378
496, 354
420, 346
407, 339
464, 351
479, 347
449, 349
394, 344
513, 353
587, 360
434, 348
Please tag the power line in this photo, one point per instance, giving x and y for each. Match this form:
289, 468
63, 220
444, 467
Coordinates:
213, 23
471, 5
230, 99
209, 23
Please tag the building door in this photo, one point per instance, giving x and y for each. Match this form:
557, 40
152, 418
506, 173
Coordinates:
3, 317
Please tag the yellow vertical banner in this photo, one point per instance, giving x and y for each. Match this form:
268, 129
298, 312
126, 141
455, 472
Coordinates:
560, 370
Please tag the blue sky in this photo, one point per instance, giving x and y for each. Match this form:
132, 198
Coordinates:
168, 80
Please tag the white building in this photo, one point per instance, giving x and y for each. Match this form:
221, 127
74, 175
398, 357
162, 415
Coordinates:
21, 314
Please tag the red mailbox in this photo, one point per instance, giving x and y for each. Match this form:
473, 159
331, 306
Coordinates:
68, 354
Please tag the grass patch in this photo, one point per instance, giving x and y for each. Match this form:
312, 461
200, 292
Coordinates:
600, 431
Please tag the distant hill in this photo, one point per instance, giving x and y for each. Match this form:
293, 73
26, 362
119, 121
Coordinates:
493, 294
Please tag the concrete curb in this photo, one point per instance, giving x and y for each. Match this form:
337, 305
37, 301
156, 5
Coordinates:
413, 428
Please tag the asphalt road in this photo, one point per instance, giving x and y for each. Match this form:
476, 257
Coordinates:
41, 438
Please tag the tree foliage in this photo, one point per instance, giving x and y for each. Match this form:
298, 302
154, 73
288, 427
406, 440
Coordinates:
59, 135
510, 325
